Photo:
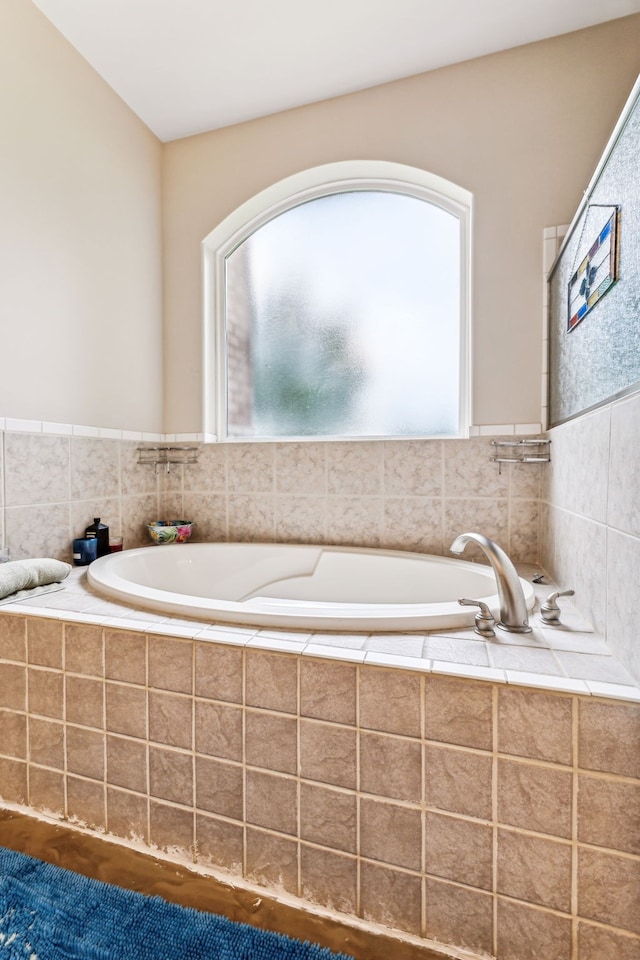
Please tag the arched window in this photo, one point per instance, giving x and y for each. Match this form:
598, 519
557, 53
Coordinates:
336, 306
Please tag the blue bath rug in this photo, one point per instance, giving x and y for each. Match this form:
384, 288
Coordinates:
48, 913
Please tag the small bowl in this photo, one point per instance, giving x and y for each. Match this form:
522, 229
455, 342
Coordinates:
170, 531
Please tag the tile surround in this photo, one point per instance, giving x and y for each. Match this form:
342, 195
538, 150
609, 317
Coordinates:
294, 788
426, 817
413, 494
590, 524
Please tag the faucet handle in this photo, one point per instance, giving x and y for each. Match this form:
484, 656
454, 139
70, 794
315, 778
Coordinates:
484, 619
550, 611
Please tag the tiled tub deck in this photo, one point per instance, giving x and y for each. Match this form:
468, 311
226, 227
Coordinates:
484, 795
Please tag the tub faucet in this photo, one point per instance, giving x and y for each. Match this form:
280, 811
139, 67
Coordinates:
513, 608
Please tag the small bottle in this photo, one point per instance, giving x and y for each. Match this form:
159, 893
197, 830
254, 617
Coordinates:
101, 530
85, 550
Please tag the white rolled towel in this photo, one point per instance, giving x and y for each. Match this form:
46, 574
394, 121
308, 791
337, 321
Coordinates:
17, 575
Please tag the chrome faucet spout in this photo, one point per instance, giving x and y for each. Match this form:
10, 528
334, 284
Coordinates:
513, 608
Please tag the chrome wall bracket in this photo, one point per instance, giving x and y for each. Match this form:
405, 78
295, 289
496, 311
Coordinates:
521, 451
165, 456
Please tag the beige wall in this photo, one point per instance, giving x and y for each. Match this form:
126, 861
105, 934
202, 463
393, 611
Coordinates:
80, 239
522, 130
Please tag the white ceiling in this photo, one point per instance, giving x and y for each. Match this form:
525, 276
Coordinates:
186, 66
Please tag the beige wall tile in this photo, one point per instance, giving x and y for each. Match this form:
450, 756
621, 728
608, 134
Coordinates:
84, 649
413, 523
390, 701
13, 780
135, 479
13, 633
13, 734
46, 791
328, 879
533, 724
354, 521
459, 711
13, 686
95, 468
250, 467
300, 519
581, 449
390, 897
126, 710
354, 469
524, 480
251, 518
125, 656
609, 889
127, 815
36, 469
219, 843
609, 813
46, 743
127, 763
524, 526
328, 817
44, 642
468, 471
458, 916
534, 797
136, 511
623, 562
301, 468
171, 828
171, 775
210, 471
218, 730
527, 933
219, 788
272, 802
171, 719
209, 512
272, 860
271, 742
85, 752
391, 833
489, 515
608, 737
46, 693
328, 754
218, 672
534, 869
390, 766
459, 850
458, 781
86, 802
39, 531
599, 943
170, 664
413, 467
328, 690
85, 701
271, 681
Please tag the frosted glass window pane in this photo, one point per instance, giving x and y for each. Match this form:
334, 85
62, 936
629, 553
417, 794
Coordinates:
343, 319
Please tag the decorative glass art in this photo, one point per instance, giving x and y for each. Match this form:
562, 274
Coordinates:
597, 275
598, 271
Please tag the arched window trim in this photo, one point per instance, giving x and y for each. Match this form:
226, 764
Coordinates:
342, 177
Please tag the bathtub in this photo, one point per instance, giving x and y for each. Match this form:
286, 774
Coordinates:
299, 586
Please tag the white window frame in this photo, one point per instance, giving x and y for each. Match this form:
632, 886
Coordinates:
332, 178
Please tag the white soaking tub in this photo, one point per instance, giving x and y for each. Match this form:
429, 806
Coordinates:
299, 586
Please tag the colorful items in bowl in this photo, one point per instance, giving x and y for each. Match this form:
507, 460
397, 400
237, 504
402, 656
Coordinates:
170, 531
